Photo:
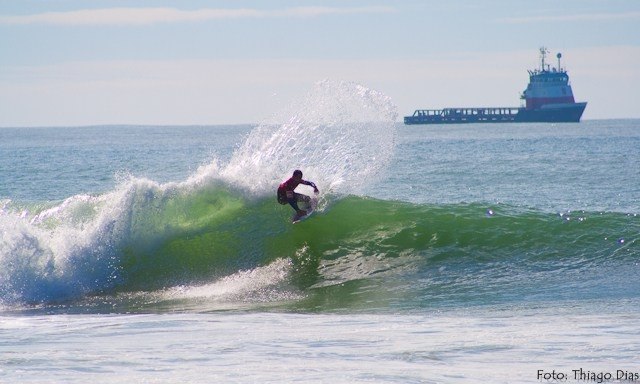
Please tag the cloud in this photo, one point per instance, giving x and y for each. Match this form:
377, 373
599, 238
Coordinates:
149, 16
576, 17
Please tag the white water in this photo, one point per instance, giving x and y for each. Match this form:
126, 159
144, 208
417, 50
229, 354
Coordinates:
341, 135
508, 345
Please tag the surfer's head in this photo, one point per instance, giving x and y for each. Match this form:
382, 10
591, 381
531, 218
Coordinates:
297, 173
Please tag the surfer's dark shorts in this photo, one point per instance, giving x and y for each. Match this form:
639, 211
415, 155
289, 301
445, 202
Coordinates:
282, 196
297, 197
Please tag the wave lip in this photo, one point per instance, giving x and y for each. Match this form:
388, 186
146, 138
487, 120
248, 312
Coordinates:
341, 135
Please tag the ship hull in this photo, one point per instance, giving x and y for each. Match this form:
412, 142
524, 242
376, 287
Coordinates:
550, 113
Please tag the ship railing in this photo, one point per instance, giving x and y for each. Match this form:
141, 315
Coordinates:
450, 112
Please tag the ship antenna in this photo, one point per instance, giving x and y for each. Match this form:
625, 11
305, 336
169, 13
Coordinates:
559, 55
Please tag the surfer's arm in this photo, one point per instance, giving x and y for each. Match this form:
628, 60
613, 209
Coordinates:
312, 184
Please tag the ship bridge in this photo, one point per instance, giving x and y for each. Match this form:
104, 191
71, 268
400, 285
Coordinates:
547, 85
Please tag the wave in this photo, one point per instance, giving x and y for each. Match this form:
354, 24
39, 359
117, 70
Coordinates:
217, 243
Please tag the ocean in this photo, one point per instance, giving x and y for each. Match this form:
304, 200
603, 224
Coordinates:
479, 253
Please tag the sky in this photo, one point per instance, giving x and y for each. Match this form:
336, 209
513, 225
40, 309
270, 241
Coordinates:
192, 62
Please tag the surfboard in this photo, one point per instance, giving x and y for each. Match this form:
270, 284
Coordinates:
311, 207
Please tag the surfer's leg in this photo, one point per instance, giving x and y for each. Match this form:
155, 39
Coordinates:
294, 203
303, 198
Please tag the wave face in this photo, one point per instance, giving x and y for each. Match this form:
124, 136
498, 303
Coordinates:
385, 254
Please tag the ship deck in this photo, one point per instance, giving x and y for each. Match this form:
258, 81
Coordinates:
462, 115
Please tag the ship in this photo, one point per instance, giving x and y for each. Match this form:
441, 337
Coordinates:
548, 99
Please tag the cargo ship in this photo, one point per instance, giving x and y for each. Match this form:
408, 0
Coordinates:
548, 98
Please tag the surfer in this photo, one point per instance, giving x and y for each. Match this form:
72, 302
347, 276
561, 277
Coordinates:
286, 192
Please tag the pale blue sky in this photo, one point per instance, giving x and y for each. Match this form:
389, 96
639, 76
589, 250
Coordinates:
68, 62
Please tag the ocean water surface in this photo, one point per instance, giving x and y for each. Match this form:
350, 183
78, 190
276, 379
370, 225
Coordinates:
472, 253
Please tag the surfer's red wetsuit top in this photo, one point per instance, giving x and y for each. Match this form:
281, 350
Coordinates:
292, 184
286, 192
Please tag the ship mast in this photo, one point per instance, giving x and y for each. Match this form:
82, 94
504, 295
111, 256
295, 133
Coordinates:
543, 55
